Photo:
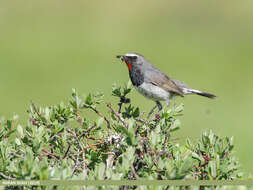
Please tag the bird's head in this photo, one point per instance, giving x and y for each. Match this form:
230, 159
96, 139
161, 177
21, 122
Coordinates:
131, 59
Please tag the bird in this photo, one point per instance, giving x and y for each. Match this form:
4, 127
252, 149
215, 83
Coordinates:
154, 84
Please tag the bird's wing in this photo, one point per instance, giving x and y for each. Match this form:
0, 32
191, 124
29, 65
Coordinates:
160, 79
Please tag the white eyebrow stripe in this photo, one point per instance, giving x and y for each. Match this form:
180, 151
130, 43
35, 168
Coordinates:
131, 54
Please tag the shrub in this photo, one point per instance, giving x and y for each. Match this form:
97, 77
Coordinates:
60, 142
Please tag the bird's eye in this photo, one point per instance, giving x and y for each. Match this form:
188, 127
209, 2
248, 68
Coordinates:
132, 57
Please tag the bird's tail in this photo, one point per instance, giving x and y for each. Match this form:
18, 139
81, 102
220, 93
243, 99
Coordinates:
198, 92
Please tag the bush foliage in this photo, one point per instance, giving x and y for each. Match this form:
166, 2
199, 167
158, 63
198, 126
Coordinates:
61, 142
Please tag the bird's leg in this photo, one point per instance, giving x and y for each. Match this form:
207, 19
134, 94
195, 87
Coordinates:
152, 110
167, 102
158, 105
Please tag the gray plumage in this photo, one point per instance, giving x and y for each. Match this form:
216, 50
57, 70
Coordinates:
153, 83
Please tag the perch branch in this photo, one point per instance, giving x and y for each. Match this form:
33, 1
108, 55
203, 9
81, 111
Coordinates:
117, 115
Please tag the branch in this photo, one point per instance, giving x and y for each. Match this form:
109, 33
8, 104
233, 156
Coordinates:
123, 100
101, 115
117, 115
55, 156
17, 155
110, 159
85, 165
134, 172
77, 163
138, 119
37, 112
79, 118
66, 153
87, 131
7, 177
120, 106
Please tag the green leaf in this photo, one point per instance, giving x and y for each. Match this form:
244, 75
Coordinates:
186, 166
136, 112
212, 166
179, 108
101, 171
9, 124
198, 157
129, 84
175, 125
189, 144
17, 141
88, 100
64, 149
131, 132
116, 91
100, 121
20, 131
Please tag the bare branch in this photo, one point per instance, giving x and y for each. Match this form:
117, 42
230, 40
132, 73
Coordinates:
47, 153
101, 115
7, 177
117, 115
110, 159
37, 112
77, 163
66, 153
134, 172
86, 131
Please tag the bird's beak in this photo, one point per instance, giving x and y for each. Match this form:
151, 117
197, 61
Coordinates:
121, 57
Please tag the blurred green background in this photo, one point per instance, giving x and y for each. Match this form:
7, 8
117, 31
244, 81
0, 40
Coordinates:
48, 47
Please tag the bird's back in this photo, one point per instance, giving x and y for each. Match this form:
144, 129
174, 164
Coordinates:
156, 77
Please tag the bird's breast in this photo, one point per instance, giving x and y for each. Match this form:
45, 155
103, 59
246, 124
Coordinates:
136, 76
152, 92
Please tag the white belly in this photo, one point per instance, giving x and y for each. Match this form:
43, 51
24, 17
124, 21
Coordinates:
153, 92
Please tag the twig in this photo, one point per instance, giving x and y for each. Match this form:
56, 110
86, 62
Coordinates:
93, 138
134, 172
66, 153
7, 177
120, 105
141, 114
117, 115
10, 130
108, 153
110, 159
17, 155
86, 131
101, 115
83, 155
37, 112
35, 109
76, 163
152, 110
123, 100
79, 118
92, 145
55, 156
139, 118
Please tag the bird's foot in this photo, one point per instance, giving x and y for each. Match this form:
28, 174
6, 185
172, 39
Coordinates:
158, 116
152, 111
158, 105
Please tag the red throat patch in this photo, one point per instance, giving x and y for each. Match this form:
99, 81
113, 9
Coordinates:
129, 65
